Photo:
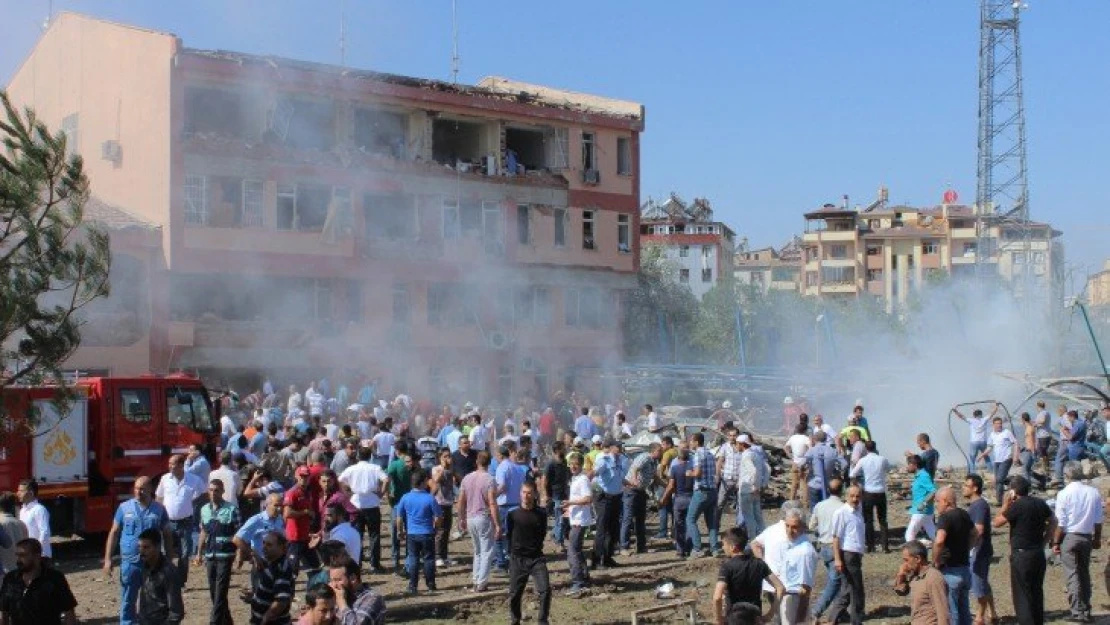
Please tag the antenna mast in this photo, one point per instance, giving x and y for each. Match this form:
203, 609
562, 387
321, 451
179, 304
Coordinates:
1002, 190
454, 42
343, 33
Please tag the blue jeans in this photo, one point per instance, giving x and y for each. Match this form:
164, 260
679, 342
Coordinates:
973, 453
634, 517
130, 580
681, 505
1061, 458
501, 547
703, 503
561, 524
421, 547
753, 516
958, 579
832, 582
183, 544
1102, 452
665, 519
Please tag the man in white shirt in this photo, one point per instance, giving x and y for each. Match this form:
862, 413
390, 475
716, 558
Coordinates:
365, 484
819, 425
578, 507
1003, 450
652, 418
1078, 531
230, 478
749, 488
295, 401
798, 445
477, 433
772, 543
979, 425
382, 444
178, 491
34, 515
799, 566
872, 468
821, 522
315, 401
849, 536
338, 527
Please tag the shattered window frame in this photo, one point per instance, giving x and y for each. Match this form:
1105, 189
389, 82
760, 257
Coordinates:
253, 204
558, 156
624, 233
589, 151
524, 224
588, 231
624, 156
493, 222
196, 200
560, 235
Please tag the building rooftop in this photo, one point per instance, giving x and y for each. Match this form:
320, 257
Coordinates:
492, 87
113, 217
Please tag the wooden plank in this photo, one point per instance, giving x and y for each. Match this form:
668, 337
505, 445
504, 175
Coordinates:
688, 603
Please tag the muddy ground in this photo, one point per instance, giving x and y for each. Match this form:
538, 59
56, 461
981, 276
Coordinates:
615, 595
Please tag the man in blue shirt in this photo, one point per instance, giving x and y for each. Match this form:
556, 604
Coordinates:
510, 476
609, 471
249, 537
923, 491
584, 425
418, 516
132, 517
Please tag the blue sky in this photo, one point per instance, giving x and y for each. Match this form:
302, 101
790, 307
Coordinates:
768, 109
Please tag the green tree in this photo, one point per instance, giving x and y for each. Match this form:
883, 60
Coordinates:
52, 262
660, 313
714, 334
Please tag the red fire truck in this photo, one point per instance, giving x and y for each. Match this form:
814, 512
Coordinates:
116, 429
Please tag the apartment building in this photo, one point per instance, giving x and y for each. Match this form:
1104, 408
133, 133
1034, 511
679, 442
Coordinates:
699, 248
769, 268
890, 251
315, 218
1098, 288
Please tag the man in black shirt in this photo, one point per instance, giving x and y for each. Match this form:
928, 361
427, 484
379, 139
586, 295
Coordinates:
464, 461
952, 553
34, 594
1031, 524
740, 579
526, 527
555, 488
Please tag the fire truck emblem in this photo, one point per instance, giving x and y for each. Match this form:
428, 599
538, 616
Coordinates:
59, 449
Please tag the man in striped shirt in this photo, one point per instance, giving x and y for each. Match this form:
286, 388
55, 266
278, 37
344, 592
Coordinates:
640, 477
271, 598
219, 521
703, 468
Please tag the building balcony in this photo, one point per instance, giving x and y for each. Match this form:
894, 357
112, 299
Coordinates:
783, 286
830, 236
838, 262
963, 233
839, 287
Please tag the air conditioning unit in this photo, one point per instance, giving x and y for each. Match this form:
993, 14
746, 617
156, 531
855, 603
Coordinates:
112, 151
497, 340
591, 176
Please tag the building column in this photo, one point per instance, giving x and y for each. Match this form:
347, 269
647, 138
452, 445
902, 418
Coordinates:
888, 277
918, 272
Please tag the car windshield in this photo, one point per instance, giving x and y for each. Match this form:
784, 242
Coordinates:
190, 407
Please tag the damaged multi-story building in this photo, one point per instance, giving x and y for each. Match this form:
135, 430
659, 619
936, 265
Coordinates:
315, 219
769, 268
698, 248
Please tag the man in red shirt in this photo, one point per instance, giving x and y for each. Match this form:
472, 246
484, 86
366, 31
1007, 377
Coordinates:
299, 516
547, 424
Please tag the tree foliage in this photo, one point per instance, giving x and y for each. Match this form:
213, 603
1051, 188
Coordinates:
53, 263
660, 313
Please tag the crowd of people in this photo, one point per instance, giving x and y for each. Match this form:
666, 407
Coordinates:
303, 483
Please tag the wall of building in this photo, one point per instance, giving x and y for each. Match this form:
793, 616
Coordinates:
116, 79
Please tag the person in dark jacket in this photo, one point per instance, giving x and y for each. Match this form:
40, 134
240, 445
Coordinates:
160, 599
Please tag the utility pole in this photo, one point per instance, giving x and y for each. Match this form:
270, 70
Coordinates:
454, 42
343, 33
1002, 190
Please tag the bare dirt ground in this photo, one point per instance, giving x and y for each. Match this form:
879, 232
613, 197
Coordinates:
614, 596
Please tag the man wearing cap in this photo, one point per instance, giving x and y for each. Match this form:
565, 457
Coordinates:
609, 471
299, 507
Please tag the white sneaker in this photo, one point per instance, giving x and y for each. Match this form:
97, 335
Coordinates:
441, 563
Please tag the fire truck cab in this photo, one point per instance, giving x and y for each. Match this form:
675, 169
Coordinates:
116, 429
